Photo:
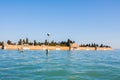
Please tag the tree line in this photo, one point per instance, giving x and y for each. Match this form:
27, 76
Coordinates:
35, 42
52, 43
94, 45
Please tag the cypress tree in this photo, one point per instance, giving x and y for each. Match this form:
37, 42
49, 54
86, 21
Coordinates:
35, 42
27, 41
68, 42
46, 43
24, 41
9, 42
20, 42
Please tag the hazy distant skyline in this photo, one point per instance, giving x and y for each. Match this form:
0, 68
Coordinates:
84, 21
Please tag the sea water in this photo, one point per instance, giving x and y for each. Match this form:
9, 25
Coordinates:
59, 65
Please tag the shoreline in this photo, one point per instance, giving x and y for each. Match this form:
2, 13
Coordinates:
18, 47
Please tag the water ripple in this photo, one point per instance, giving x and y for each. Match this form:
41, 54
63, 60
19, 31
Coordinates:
63, 65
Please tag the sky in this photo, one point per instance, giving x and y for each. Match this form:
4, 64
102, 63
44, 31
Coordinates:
84, 21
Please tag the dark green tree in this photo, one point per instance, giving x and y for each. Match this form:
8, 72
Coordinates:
52, 42
46, 43
39, 43
92, 45
88, 45
68, 42
9, 42
20, 42
101, 45
24, 41
35, 42
27, 41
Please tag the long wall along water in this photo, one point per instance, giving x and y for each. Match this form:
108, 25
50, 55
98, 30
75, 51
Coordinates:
16, 47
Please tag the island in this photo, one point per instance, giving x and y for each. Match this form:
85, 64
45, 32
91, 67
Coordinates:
25, 44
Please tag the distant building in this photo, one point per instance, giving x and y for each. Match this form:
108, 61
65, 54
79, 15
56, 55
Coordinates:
74, 46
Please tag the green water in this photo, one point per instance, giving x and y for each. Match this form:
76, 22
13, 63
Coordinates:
60, 65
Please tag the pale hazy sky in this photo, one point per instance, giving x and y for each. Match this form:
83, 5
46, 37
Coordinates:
84, 21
